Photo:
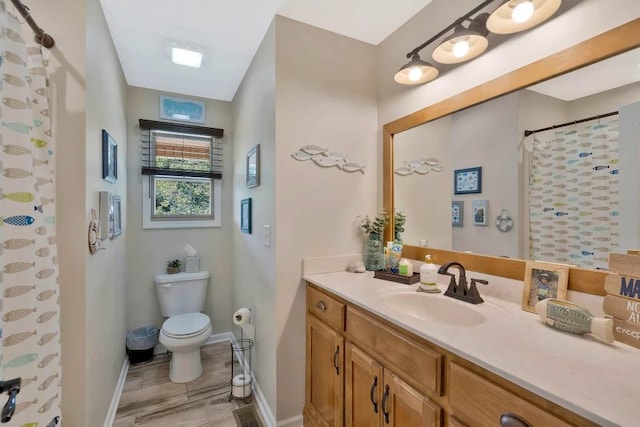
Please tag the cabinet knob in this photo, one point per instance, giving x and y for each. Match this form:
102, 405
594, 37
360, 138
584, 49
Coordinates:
513, 420
321, 305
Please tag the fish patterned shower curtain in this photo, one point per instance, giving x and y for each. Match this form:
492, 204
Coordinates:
30, 311
574, 193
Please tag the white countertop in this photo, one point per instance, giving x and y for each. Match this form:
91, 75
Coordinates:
579, 372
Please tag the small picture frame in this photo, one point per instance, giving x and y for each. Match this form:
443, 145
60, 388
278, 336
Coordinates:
467, 181
109, 158
543, 280
253, 166
117, 216
185, 110
245, 215
480, 212
457, 213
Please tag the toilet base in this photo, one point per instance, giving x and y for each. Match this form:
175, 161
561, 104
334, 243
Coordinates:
185, 367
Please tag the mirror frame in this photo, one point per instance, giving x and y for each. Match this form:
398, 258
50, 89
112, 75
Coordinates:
610, 43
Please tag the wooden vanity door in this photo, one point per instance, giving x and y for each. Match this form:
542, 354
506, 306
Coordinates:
403, 406
324, 391
363, 389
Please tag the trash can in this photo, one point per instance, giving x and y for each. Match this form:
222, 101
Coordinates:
140, 344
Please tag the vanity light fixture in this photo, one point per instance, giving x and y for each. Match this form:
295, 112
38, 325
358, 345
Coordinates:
468, 42
519, 15
465, 43
416, 72
186, 56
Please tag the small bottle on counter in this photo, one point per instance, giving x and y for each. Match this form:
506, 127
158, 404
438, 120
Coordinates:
405, 267
428, 276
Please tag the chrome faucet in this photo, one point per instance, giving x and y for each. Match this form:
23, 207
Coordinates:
460, 290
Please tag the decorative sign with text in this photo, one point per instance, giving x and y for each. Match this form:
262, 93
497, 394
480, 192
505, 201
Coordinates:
623, 301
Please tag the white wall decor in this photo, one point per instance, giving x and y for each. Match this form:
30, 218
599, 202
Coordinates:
325, 158
420, 166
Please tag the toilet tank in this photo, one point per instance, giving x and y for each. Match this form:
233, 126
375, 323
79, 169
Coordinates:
181, 293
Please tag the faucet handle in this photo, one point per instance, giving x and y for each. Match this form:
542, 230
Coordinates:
474, 281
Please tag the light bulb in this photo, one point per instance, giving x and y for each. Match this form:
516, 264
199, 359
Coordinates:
522, 12
415, 74
460, 49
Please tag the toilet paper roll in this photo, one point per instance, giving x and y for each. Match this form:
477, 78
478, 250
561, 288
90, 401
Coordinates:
241, 386
242, 316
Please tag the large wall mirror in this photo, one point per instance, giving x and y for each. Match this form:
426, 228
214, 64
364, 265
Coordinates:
484, 126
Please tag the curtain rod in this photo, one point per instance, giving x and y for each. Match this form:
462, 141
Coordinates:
40, 36
575, 122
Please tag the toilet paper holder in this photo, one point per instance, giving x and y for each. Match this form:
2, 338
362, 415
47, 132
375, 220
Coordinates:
241, 382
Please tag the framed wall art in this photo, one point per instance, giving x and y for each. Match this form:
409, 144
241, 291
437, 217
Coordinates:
253, 166
543, 280
186, 110
245, 215
480, 212
467, 181
109, 158
457, 213
117, 216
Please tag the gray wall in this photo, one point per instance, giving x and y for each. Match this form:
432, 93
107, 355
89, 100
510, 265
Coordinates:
318, 103
152, 248
254, 281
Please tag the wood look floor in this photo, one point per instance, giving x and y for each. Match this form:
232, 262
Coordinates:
150, 399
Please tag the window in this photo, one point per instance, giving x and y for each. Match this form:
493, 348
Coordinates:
182, 165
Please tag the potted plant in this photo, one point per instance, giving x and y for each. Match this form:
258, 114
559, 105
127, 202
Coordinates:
398, 223
173, 266
374, 248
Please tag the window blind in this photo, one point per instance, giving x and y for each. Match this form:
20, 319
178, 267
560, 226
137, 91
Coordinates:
180, 150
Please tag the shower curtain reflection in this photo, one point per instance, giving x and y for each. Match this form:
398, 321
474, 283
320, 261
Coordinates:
574, 193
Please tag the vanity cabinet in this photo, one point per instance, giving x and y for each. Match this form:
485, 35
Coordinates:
375, 396
363, 371
325, 360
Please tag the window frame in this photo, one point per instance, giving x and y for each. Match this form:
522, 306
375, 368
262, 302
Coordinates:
149, 219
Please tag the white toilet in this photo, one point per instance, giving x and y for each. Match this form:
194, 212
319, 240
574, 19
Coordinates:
182, 297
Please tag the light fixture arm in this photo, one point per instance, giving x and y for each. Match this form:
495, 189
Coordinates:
451, 26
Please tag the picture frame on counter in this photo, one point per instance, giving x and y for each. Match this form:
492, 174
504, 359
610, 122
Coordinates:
543, 280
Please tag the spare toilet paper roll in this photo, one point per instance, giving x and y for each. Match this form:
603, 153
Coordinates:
242, 316
241, 386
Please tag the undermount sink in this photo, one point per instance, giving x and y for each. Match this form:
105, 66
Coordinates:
438, 308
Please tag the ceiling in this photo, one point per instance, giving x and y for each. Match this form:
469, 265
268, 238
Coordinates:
229, 32
614, 72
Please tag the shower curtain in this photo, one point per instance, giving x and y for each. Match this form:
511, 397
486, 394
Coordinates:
574, 193
30, 328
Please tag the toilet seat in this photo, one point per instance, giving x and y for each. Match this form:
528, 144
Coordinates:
186, 325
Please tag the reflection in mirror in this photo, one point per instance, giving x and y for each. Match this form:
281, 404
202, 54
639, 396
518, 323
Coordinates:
570, 191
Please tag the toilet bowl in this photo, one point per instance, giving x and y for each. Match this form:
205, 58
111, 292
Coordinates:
183, 335
181, 298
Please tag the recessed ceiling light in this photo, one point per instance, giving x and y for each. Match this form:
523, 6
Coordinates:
188, 57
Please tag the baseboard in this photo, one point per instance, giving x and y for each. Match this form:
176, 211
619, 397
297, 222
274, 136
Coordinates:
115, 400
221, 337
261, 403
291, 422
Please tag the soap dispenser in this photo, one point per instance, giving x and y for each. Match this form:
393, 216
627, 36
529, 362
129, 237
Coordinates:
428, 276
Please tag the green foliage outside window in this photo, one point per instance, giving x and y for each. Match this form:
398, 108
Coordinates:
182, 197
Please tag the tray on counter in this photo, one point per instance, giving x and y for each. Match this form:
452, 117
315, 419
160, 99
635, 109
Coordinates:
394, 277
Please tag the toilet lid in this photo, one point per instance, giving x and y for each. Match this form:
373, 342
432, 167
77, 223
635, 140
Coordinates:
185, 324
